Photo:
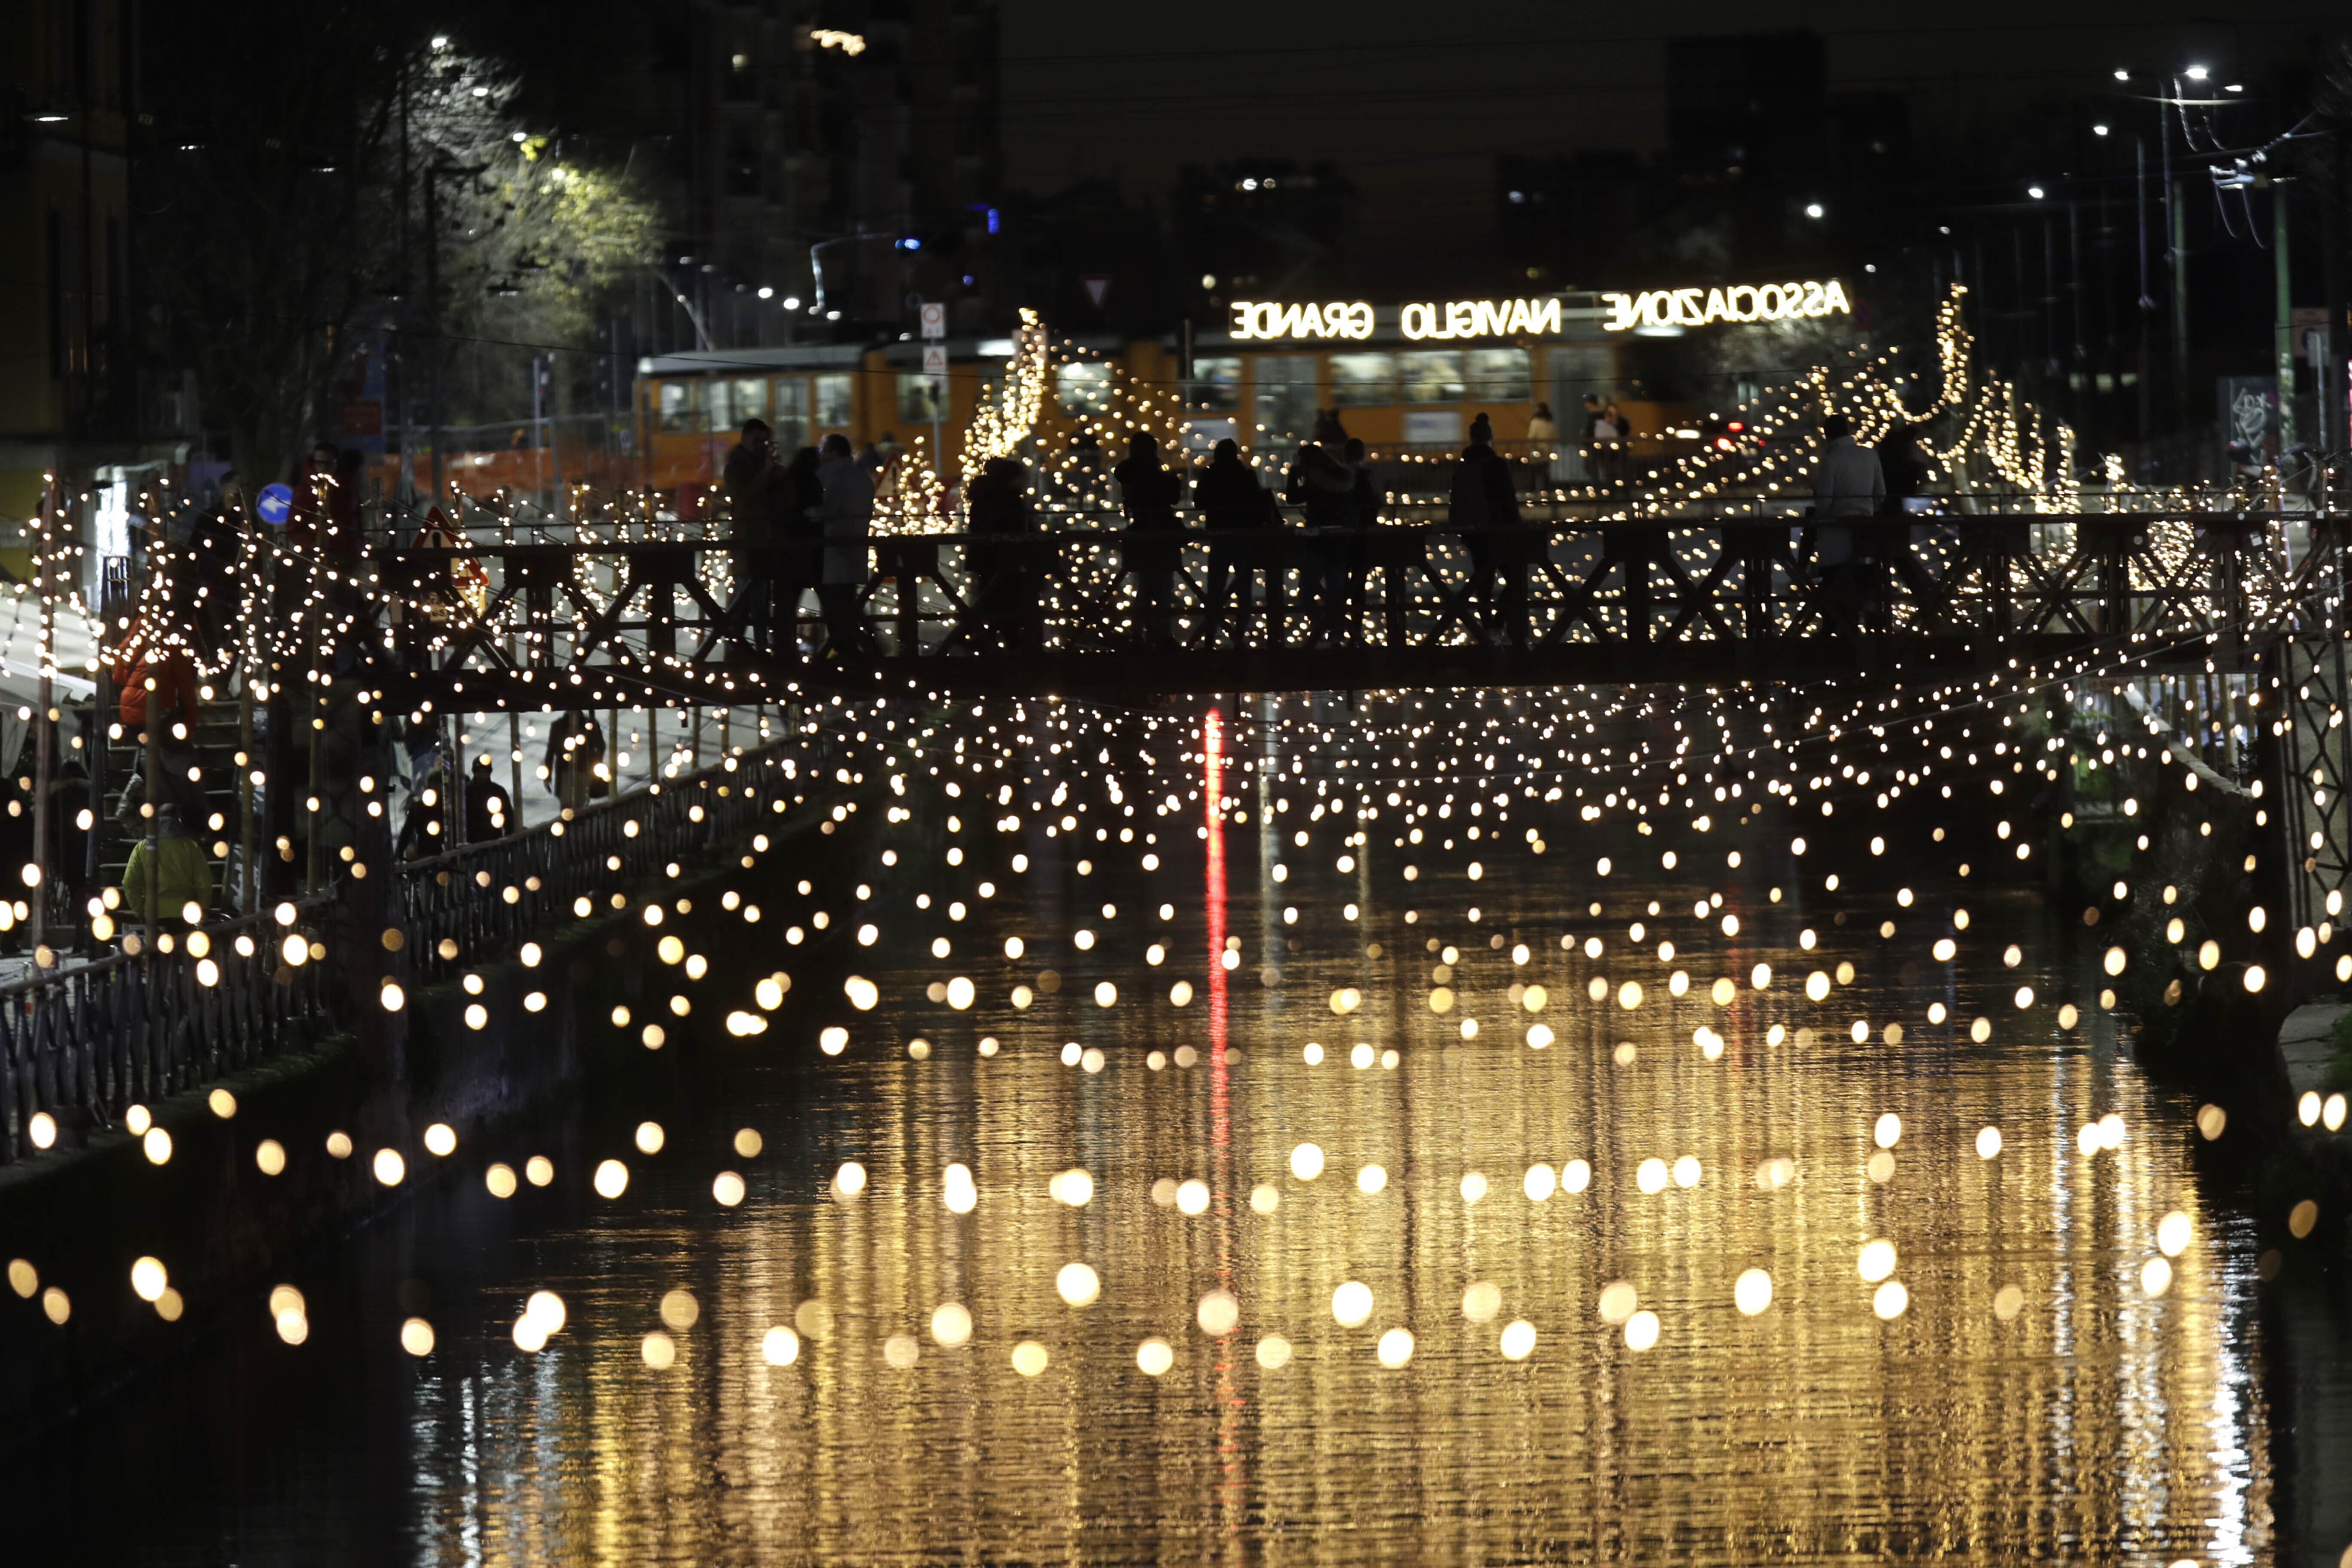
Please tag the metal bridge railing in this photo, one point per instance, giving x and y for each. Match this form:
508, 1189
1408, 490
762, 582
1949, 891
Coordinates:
482, 903
80, 1046
1731, 582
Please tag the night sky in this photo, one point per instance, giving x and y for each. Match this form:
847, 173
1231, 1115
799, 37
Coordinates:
1415, 102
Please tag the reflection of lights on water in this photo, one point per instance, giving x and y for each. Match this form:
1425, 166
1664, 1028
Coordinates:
1664, 996
952, 1324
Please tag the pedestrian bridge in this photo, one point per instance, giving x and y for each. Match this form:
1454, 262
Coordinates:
1665, 599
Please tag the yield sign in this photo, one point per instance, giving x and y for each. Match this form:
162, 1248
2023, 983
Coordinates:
1096, 289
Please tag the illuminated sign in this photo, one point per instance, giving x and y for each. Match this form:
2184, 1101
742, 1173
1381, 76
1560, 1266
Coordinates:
1258, 318
1740, 302
1454, 319
1480, 319
835, 38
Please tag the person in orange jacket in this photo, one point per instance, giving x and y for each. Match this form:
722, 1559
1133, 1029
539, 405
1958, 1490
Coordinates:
175, 686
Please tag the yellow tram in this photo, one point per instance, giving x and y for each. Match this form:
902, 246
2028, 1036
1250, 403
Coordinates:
1408, 379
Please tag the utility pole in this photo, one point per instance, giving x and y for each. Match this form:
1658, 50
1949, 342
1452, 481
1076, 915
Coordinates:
2146, 300
2285, 326
433, 319
406, 472
554, 439
2336, 217
2176, 255
538, 428
2180, 305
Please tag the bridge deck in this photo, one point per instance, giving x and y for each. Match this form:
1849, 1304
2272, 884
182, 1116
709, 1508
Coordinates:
1671, 599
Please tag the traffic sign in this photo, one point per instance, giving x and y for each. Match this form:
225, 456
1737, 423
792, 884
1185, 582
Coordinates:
935, 321
273, 504
1097, 287
935, 357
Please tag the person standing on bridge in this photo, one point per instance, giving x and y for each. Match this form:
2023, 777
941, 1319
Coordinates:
1608, 441
1905, 461
1543, 442
1001, 563
1363, 516
1147, 497
846, 511
1482, 500
799, 566
1848, 483
1321, 486
754, 482
1229, 499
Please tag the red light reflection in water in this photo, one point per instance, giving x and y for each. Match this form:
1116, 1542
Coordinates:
1230, 1490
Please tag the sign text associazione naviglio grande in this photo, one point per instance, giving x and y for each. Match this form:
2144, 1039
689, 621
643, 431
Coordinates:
1740, 302
1259, 318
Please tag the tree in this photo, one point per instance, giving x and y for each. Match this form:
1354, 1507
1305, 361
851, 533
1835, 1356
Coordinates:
260, 204
529, 240
311, 165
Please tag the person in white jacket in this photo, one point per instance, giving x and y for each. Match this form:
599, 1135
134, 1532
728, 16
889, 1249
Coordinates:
846, 514
1848, 482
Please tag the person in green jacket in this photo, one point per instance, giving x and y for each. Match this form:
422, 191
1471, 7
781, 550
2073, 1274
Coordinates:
182, 875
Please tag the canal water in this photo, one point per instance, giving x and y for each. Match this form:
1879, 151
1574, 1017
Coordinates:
1424, 1217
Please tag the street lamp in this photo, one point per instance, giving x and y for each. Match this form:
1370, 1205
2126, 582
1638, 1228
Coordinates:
2175, 249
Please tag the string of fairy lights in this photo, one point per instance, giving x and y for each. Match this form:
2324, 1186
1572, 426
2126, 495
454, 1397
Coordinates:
1790, 819
1134, 787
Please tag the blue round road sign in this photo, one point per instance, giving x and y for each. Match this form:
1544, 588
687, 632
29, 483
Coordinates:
274, 503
